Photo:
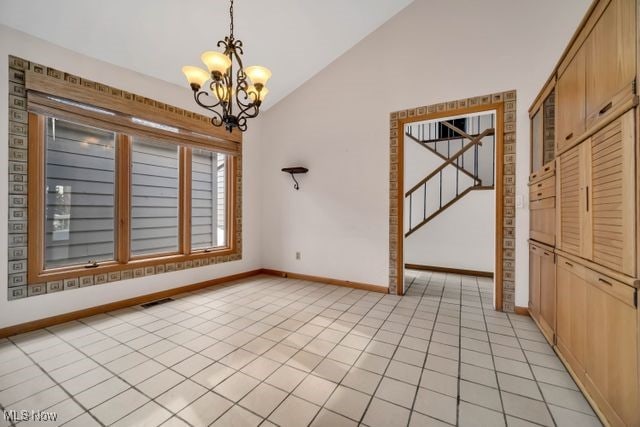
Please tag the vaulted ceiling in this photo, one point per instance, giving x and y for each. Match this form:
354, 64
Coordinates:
294, 38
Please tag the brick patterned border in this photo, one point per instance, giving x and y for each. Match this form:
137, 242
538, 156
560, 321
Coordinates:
17, 241
397, 121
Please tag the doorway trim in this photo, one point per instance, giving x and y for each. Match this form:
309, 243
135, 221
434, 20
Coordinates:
504, 103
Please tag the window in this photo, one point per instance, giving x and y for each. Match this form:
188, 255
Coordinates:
79, 190
208, 200
154, 198
110, 198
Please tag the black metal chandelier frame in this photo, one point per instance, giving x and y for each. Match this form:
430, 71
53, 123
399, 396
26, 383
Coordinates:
247, 101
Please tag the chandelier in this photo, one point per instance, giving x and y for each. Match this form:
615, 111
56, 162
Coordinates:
215, 90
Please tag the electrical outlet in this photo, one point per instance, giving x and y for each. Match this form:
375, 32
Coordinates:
298, 255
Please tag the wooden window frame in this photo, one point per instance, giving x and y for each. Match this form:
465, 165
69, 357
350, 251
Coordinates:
123, 260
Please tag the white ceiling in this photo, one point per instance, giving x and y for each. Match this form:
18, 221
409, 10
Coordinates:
294, 38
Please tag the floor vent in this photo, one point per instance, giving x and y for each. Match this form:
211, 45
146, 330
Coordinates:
156, 302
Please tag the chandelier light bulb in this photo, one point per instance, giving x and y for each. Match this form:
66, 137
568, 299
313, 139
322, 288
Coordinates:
218, 63
196, 76
261, 95
222, 90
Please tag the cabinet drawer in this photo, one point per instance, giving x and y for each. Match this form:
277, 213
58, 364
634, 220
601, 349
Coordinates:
542, 221
543, 189
546, 171
623, 99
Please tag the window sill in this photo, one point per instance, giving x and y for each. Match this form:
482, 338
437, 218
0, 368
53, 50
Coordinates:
134, 268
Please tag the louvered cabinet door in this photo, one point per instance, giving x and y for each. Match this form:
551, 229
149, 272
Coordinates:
613, 179
569, 184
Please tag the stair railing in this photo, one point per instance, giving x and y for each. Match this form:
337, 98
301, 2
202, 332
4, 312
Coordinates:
475, 141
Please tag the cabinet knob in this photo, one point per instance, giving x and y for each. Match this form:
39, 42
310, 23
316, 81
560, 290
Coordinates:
568, 137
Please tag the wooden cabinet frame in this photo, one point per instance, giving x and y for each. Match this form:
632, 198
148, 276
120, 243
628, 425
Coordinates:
123, 260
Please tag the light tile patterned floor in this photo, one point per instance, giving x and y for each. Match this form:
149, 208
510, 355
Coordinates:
271, 351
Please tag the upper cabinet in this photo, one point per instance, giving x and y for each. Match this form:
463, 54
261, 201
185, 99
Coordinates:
611, 60
543, 131
571, 93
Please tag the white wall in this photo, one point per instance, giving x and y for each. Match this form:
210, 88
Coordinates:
337, 124
14, 312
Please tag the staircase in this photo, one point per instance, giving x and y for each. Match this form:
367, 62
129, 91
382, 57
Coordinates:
468, 165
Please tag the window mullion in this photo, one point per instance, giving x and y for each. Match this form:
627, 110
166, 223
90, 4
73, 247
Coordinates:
123, 198
185, 200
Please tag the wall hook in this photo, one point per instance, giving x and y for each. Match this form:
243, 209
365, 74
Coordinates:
293, 171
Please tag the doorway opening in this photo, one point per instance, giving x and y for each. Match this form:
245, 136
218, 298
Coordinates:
449, 195
406, 125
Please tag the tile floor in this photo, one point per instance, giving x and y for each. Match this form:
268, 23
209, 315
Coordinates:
270, 351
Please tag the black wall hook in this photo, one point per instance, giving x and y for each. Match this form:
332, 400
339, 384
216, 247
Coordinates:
293, 171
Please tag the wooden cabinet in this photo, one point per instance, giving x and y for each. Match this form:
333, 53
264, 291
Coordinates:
571, 314
570, 111
574, 176
542, 288
612, 349
613, 192
593, 211
611, 60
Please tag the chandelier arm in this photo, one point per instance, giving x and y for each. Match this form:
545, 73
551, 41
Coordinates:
250, 112
201, 103
217, 119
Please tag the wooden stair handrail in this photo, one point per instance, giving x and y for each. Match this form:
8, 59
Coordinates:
422, 144
474, 141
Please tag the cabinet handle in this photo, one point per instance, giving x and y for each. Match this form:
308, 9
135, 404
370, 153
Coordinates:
539, 185
539, 194
601, 280
586, 194
568, 264
568, 137
547, 253
547, 169
606, 108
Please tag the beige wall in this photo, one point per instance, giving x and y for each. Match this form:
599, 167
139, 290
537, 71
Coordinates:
337, 125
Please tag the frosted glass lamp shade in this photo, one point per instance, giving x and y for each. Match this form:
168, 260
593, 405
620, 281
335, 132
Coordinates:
258, 75
195, 76
216, 62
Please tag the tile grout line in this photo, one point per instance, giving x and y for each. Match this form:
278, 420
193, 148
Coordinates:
426, 356
493, 360
303, 298
71, 396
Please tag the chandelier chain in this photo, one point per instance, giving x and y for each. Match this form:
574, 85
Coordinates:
231, 14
